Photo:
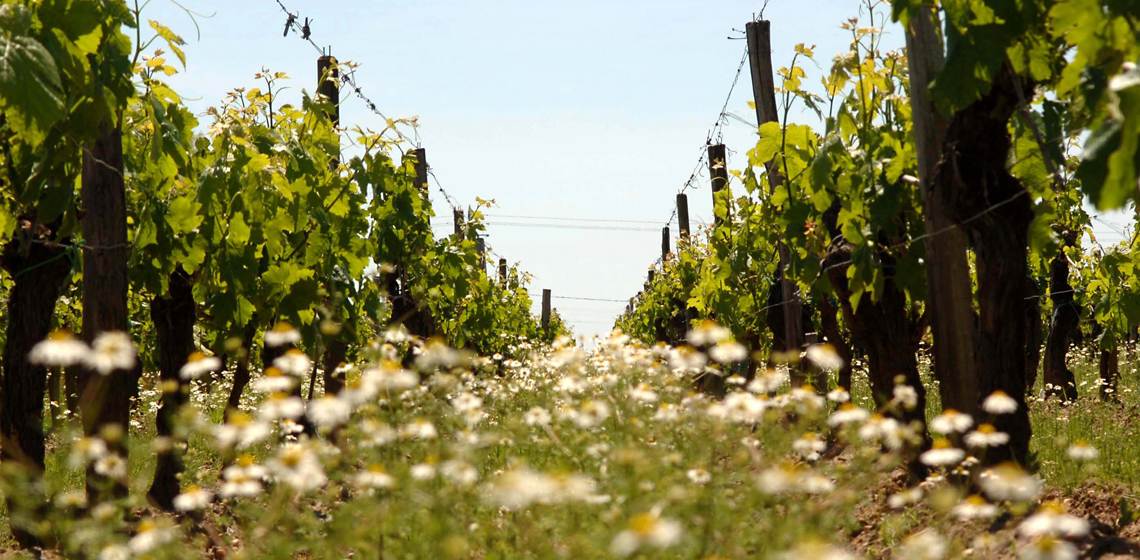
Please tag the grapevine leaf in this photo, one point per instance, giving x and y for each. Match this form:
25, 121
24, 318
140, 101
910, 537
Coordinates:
30, 92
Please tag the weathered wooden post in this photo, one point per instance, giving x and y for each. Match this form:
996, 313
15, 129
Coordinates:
683, 214
664, 243
546, 312
457, 216
421, 168
947, 269
652, 275
718, 173
759, 35
481, 247
503, 272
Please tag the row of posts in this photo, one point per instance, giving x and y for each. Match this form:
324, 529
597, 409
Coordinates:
764, 92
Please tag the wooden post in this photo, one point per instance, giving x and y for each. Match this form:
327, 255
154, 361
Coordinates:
328, 87
683, 214
764, 91
421, 168
503, 272
481, 247
664, 243
546, 312
718, 173
652, 275
457, 216
947, 270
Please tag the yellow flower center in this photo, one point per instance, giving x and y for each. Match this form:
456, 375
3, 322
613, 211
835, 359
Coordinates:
643, 523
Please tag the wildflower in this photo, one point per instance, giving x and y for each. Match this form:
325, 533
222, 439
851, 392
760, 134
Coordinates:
419, 429
1082, 450
848, 413
71, 499
466, 402
329, 412
274, 380
86, 450
769, 382
437, 354
240, 430
838, 395
298, 467
809, 446
1052, 520
591, 414
975, 507
282, 334
646, 530
198, 365
111, 466
280, 406
999, 402
422, 471
110, 351
986, 436
1049, 547
375, 478
951, 421
687, 359
150, 536
294, 362
941, 454
815, 483
114, 552
460, 472
59, 349
728, 352
390, 378
905, 498
824, 356
1008, 482
707, 333
815, 550
906, 396
192, 499
698, 476
667, 412
924, 545
537, 416
642, 393
242, 479
779, 479
518, 488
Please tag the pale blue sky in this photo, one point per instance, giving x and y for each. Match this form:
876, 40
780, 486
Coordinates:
585, 109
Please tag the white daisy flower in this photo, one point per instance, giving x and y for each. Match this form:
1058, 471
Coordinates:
282, 334
199, 364
110, 351
59, 349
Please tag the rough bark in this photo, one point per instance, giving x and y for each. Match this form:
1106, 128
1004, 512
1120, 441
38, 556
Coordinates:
174, 316
993, 208
947, 270
104, 400
829, 328
1032, 330
1058, 378
335, 355
883, 329
241, 371
1109, 373
38, 275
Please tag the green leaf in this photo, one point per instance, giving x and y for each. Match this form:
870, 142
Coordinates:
769, 144
172, 40
30, 91
183, 216
239, 230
